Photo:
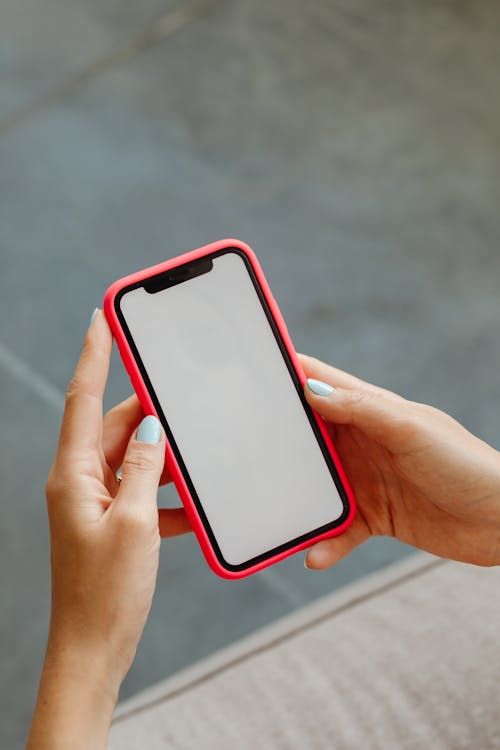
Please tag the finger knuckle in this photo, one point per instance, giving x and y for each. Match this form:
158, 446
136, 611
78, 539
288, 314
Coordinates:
132, 521
74, 387
427, 410
139, 461
362, 402
55, 485
360, 398
57, 493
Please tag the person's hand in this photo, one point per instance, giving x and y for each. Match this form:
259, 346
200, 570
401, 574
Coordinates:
416, 473
105, 539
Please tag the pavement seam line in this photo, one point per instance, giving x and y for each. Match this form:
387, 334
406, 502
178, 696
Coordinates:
277, 641
23, 373
156, 32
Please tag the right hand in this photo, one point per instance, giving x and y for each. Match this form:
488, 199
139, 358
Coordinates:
416, 473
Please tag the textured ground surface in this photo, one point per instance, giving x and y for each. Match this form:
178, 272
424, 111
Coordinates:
354, 145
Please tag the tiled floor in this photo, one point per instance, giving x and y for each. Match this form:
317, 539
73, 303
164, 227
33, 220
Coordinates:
354, 146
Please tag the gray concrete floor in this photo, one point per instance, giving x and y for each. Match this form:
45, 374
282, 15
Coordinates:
354, 145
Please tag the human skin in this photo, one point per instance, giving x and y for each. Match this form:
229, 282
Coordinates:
105, 541
417, 474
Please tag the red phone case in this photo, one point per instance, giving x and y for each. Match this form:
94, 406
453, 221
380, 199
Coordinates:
148, 407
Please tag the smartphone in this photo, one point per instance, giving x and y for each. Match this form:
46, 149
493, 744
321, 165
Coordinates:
209, 354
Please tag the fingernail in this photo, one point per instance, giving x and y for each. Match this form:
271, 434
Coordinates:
318, 387
149, 430
94, 315
306, 566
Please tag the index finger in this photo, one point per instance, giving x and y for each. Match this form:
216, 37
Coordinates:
81, 428
315, 368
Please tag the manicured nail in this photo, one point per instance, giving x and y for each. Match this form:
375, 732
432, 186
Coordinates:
318, 387
149, 430
94, 316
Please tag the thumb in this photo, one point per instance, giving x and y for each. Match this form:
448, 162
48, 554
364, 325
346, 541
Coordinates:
382, 415
329, 551
143, 464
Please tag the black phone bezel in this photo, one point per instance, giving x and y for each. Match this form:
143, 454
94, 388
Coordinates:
187, 266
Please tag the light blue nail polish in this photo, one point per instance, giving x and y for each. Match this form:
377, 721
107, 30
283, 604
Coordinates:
318, 387
149, 430
94, 316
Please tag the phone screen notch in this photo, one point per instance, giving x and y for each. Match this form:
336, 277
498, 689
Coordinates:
178, 275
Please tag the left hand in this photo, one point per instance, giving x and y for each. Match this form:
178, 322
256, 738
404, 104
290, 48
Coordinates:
417, 474
105, 541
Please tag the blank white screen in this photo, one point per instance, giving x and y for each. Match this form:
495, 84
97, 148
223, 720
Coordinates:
233, 409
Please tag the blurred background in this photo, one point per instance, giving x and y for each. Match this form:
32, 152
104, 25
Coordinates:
355, 145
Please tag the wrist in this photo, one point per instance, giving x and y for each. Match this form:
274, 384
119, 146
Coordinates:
77, 696
71, 662
83, 629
